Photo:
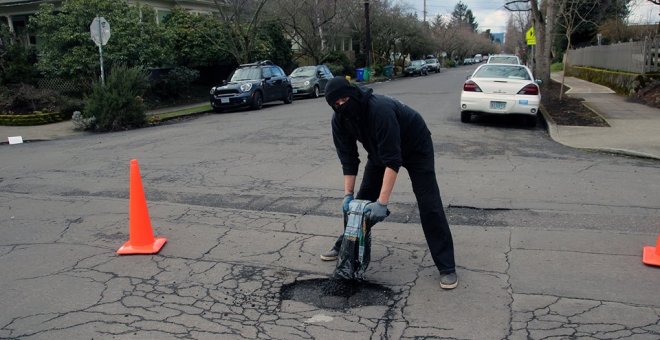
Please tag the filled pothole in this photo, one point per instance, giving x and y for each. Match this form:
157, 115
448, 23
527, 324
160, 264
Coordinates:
337, 294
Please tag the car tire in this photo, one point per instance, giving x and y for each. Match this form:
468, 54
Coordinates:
315, 92
289, 96
257, 101
466, 117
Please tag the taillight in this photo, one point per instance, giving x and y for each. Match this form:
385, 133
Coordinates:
470, 86
530, 89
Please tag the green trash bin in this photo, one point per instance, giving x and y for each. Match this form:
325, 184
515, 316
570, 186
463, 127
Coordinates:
388, 71
366, 74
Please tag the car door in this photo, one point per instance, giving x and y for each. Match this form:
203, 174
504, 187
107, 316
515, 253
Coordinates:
281, 81
323, 77
269, 88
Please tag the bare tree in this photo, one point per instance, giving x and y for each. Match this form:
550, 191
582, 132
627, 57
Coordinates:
543, 21
241, 18
574, 13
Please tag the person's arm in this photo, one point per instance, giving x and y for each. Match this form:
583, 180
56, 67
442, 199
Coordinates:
389, 178
349, 184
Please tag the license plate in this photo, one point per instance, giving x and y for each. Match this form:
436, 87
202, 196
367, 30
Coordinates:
497, 105
224, 100
295, 91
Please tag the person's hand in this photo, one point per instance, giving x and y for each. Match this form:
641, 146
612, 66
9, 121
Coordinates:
376, 212
345, 205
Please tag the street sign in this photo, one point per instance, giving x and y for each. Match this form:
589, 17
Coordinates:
100, 31
530, 36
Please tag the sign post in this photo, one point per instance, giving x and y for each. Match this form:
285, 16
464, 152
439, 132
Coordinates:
530, 36
100, 32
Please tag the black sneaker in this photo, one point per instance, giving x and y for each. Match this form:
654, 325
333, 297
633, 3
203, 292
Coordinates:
330, 255
448, 281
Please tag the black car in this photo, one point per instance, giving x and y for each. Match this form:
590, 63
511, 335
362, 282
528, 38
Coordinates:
310, 80
416, 67
252, 85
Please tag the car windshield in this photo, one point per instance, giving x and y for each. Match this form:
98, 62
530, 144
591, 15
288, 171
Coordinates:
502, 71
304, 72
246, 73
503, 60
416, 63
431, 61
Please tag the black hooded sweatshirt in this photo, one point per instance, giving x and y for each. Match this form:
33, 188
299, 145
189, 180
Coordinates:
390, 132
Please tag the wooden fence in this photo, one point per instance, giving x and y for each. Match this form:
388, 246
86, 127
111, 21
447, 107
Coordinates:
636, 57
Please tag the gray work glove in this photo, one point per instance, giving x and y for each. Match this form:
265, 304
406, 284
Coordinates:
376, 211
345, 205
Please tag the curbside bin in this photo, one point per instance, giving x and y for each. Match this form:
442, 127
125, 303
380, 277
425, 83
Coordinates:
367, 74
359, 74
388, 70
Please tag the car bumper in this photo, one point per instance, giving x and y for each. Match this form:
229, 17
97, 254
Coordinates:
520, 104
243, 99
303, 91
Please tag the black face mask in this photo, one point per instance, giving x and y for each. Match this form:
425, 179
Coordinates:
351, 108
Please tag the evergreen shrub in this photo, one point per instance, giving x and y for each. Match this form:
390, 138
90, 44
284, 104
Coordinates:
118, 104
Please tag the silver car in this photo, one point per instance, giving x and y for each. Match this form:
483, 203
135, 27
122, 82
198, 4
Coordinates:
309, 81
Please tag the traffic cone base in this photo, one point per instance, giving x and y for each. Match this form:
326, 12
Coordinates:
651, 255
153, 248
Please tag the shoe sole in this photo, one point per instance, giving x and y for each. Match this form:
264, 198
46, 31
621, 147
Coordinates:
449, 286
328, 258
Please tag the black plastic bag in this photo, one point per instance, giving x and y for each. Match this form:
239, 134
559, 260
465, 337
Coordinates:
355, 251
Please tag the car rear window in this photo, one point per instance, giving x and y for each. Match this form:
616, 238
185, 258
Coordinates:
503, 60
502, 71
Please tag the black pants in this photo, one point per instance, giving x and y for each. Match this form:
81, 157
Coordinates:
421, 168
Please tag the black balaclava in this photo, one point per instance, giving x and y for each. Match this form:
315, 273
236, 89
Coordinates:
339, 87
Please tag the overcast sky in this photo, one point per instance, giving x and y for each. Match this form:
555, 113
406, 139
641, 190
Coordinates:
490, 14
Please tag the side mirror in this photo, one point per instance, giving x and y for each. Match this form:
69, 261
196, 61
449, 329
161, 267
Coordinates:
468, 76
224, 82
538, 81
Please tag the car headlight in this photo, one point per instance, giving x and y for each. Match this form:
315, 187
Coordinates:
246, 87
212, 90
306, 83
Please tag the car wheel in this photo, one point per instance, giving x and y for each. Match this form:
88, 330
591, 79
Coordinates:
289, 97
465, 117
257, 100
315, 93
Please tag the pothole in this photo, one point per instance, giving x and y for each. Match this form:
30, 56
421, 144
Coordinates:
337, 294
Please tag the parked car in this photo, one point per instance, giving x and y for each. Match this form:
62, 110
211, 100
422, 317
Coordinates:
252, 85
504, 59
310, 80
501, 89
468, 61
433, 65
416, 67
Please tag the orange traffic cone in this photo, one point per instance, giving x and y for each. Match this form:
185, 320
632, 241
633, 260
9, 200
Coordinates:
141, 239
651, 254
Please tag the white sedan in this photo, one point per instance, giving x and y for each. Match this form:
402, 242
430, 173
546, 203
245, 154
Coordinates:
501, 89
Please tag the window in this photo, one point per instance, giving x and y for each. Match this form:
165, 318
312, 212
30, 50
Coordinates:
267, 73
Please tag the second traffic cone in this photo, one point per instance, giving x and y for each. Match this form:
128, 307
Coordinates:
141, 238
651, 255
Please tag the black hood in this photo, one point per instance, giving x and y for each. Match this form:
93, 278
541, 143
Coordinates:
339, 87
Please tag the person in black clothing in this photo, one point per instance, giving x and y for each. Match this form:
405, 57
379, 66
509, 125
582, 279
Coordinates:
394, 135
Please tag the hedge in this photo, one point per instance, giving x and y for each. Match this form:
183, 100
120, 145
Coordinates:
37, 118
624, 83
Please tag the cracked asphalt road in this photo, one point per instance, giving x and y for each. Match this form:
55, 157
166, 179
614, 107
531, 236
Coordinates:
548, 239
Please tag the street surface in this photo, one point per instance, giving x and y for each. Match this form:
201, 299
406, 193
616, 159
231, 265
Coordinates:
548, 239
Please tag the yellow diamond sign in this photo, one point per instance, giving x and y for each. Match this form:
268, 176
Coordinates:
530, 36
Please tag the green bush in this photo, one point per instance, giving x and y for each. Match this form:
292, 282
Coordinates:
23, 98
556, 67
339, 64
174, 83
118, 105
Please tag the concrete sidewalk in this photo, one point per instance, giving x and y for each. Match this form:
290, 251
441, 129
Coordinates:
634, 128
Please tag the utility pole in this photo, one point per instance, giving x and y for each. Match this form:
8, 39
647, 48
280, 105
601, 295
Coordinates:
368, 31
424, 10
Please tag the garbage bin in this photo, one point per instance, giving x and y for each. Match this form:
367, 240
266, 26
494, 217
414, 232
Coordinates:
366, 74
388, 70
359, 74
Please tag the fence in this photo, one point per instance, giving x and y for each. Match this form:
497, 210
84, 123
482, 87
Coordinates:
636, 57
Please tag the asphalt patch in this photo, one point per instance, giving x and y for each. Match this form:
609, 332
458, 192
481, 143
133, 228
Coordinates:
337, 294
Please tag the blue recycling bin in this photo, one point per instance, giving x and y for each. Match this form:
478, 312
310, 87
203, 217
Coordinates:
388, 70
359, 74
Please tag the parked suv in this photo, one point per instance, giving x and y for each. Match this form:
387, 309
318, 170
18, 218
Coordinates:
433, 65
252, 85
